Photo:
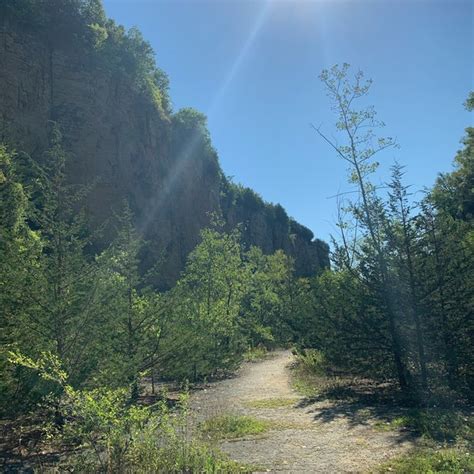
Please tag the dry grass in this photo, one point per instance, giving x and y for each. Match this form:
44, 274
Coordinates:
272, 403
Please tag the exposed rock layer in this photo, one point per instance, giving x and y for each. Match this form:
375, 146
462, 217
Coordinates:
119, 140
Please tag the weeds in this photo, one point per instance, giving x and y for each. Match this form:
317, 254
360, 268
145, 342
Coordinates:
455, 461
435, 424
110, 434
233, 426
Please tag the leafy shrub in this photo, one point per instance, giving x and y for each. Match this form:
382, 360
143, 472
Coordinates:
113, 435
312, 361
310, 376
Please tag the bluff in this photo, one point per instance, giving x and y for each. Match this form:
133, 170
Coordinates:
64, 62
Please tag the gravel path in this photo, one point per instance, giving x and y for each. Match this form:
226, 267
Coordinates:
319, 437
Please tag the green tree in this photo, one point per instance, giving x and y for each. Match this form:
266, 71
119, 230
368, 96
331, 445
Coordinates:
361, 146
402, 241
20, 248
131, 309
348, 326
65, 290
261, 305
208, 300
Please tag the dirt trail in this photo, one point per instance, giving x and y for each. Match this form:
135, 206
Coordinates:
315, 437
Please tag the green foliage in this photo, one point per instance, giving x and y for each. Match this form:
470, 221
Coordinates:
99, 315
346, 315
274, 298
114, 436
135, 329
248, 199
191, 142
208, 300
399, 301
13, 197
311, 375
397, 304
43, 293
94, 314
312, 361
469, 104
65, 21
62, 292
455, 461
441, 425
255, 353
453, 192
82, 25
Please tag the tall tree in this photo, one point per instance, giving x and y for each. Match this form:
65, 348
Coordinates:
208, 302
20, 249
131, 309
402, 238
361, 146
64, 290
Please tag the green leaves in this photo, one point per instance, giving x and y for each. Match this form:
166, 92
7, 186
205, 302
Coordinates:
404, 305
48, 365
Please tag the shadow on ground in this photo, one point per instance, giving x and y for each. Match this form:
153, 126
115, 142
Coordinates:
361, 403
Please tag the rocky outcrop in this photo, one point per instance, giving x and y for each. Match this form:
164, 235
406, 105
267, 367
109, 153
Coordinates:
127, 147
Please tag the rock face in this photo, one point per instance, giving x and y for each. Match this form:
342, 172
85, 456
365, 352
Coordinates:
125, 147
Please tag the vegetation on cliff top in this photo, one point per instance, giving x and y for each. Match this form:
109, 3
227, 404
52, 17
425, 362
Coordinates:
80, 27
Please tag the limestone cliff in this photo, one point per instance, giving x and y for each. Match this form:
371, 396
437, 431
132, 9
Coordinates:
121, 137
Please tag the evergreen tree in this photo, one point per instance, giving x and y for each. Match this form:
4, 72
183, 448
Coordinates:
65, 289
402, 242
130, 309
20, 248
359, 151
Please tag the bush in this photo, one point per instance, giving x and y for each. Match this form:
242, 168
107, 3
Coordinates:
112, 435
312, 361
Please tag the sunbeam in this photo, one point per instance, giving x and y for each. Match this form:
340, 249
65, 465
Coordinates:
259, 21
190, 148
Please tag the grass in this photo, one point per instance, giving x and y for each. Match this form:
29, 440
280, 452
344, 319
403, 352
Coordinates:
456, 461
395, 424
305, 387
303, 379
192, 457
238, 426
447, 438
434, 424
233, 426
272, 403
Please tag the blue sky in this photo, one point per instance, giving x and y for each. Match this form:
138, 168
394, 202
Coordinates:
252, 67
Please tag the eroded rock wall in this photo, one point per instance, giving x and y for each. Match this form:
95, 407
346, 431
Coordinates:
125, 147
